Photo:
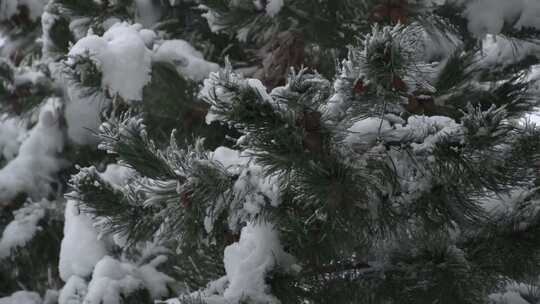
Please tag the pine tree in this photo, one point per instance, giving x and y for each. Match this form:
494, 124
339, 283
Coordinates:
269, 151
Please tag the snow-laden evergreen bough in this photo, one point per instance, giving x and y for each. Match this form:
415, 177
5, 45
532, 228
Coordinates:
134, 170
319, 198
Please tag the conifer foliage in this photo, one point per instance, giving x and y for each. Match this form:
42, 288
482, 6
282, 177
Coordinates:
269, 151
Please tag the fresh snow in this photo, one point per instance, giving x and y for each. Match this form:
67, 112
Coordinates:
499, 51
73, 291
187, 60
509, 297
22, 297
37, 160
214, 86
112, 278
21, 230
117, 175
252, 191
422, 132
247, 264
80, 249
12, 133
248, 261
273, 7
489, 16
129, 50
120, 53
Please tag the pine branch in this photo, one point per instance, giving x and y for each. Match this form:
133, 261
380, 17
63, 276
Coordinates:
127, 218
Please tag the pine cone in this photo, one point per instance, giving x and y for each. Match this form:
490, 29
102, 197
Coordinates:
22, 19
421, 103
194, 116
231, 237
399, 85
286, 51
310, 122
185, 199
359, 87
313, 142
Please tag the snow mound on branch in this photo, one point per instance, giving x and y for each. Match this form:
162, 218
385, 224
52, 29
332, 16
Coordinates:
514, 293
80, 249
229, 158
252, 191
117, 175
22, 297
22, 229
256, 189
489, 16
497, 51
247, 264
123, 58
9, 8
273, 7
248, 261
367, 131
187, 60
217, 86
112, 278
36, 163
423, 133
509, 297
74, 291
12, 132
